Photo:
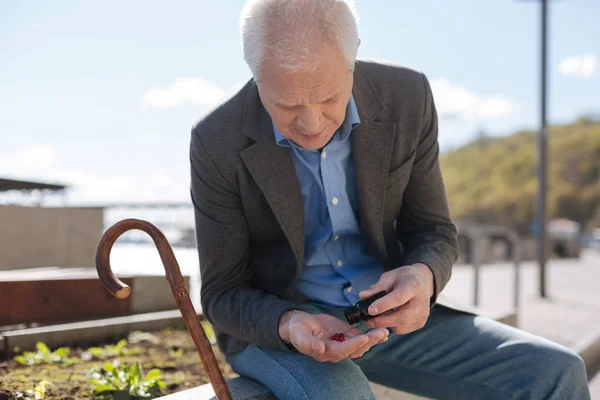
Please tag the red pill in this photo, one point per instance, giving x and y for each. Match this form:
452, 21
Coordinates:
338, 337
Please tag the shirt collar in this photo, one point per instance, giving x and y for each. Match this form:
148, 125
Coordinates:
351, 121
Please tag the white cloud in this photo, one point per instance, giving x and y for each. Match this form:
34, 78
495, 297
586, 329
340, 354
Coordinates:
454, 101
196, 91
583, 66
36, 157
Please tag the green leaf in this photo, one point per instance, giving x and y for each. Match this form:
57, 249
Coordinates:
97, 352
153, 375
42, 348
103, 388
40, 390
133, 351
209, 331
117, 382
120, 346
108, 367
136, 370
20, 360
176, 353
62, 352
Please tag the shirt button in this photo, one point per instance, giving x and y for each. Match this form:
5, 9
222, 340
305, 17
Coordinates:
324, 155
335, 201
349, 289
340, 263
336, 238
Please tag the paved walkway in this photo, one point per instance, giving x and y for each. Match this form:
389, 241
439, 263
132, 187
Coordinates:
595, 387
570, 314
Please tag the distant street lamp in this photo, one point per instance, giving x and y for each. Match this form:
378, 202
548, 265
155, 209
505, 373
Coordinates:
540, 225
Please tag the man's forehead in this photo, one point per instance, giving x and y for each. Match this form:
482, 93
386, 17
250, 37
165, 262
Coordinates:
320, 89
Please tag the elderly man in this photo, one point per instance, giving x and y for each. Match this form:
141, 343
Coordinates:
317, 185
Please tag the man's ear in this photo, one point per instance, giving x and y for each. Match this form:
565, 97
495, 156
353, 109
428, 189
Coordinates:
358, 43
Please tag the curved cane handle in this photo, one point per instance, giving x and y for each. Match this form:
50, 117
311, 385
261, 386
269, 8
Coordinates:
173, 273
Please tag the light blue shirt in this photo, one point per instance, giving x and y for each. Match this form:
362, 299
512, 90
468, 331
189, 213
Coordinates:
336, 264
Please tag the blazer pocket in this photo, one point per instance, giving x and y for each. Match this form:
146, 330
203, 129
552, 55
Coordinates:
400, 173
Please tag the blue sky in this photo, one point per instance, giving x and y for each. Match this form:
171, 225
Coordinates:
102, 95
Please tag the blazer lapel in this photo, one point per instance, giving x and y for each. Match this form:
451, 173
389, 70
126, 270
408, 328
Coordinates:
372, 145
273, 171
372, 148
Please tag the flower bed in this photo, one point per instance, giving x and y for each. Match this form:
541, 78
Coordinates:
73, 373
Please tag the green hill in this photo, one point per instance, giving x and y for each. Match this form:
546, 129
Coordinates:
494, 179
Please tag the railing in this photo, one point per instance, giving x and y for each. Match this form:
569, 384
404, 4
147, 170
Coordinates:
474, 234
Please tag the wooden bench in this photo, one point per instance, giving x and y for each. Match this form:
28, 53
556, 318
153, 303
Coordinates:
53, 295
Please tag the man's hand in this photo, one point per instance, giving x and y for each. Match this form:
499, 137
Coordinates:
410, 289
311, 335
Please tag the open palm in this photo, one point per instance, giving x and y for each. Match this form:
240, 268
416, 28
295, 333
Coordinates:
311, 335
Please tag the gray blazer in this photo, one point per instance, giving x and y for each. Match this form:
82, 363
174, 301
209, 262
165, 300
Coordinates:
249, 210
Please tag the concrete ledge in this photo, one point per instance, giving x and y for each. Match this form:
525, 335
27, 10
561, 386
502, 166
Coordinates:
151, 293
589, 350
240, 389
509, 318
89, 331
247, 389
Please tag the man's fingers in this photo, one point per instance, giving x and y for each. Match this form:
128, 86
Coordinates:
402, 318
405, 290
350, 333
381, 339
376, 335
337, 351
386, 282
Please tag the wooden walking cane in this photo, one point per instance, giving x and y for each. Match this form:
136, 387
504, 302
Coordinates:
122, 291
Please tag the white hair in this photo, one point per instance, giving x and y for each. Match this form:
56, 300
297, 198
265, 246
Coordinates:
292, 31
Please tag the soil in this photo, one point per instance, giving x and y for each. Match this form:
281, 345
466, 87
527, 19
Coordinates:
174, 354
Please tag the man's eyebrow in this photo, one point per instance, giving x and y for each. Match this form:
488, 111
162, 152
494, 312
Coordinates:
288, 106
332, 98
282, 105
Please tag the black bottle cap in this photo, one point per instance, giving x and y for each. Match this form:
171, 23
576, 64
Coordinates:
352, 315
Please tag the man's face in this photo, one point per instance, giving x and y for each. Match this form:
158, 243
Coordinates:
308, 107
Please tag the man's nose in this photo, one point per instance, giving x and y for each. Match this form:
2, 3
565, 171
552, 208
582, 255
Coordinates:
310, 120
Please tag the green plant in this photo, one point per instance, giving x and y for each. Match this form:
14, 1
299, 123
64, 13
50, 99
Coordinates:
209, 331
37, 393
43, 355
175, 352
494, 181
108, 351
127, 382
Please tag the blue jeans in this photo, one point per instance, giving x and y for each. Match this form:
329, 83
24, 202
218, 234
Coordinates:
455, 356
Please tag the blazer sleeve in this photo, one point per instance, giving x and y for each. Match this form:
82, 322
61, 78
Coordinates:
424, 226
223, 239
